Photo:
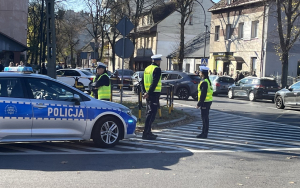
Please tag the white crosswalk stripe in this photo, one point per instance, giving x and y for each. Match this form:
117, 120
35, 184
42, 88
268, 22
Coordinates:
227, 133
230, 132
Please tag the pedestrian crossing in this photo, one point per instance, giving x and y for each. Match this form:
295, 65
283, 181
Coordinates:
227, 133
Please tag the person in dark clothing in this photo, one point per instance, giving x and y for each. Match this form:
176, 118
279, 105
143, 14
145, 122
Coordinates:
205, 92
151, 86
44, 70
100, 87
241, 76
1, 67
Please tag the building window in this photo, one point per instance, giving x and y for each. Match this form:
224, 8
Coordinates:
228, 2
239, 66
254, 29
191, 19
228, 31
149, 19
241, 30
151, 45
253, 63
217, 32
187, 68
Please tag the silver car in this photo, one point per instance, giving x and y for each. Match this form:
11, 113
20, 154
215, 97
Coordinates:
289, 96
220, 84
38, 108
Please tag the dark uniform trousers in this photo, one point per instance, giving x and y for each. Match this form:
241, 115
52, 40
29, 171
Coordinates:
205, 117
152, 106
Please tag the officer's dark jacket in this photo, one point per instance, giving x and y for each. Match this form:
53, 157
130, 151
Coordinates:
156, 78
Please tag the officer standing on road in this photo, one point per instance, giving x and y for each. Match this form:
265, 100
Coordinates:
205, 93
101, 87
152, 89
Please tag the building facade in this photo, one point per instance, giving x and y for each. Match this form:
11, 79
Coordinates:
13, 30
243, 39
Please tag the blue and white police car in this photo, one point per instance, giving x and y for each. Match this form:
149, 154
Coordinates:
38, 108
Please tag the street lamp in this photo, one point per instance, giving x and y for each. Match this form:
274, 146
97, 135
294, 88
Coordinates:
206, 26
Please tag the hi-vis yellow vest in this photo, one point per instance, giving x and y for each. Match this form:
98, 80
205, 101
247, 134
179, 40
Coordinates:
104, 92
148, 78
209, 94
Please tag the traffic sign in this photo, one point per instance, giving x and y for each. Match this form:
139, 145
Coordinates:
204, 61
124, 45
125, 26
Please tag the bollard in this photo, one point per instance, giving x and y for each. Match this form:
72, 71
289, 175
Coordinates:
168, 96
159, 110
111, 93
172, 88
140, 102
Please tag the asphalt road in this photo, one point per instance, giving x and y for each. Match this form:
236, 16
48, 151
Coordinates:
261, 109
251, 144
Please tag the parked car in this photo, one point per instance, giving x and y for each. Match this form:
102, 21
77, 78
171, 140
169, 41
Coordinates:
254, 88
68, 76
289, 96
116, 78
136, 78
94, 71
220, 84
185, 84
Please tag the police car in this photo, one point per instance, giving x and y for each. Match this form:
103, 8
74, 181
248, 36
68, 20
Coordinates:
38, 108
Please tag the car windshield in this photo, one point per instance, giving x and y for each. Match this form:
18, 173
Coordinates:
268, 83
226, 79
126, 72
87, 73
194, 77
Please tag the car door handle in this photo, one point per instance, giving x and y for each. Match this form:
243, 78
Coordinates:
39, 106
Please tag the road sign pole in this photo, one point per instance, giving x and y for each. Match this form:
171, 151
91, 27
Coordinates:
123, 54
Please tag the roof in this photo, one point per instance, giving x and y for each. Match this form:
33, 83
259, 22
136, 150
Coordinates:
223, 5
159, 13
19, 74
194, 47
10, 44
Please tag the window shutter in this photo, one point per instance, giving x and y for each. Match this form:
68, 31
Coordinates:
247, 30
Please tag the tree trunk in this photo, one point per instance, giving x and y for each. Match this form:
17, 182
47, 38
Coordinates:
285, 68
181, 47
72, 58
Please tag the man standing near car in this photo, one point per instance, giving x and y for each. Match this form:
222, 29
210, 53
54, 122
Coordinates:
101, 87
152, 89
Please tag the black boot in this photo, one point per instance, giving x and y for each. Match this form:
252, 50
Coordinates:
149, 136
201, 136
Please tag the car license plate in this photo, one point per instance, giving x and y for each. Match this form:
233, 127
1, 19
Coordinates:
271, 93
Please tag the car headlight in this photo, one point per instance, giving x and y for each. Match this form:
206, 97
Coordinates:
127, 111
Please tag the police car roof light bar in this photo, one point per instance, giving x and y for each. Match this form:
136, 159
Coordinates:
25, 70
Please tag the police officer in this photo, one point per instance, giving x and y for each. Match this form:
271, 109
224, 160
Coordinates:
101, 87
205, 93
152, 89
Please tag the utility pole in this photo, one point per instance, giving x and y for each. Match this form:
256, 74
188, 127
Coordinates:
51, 39
42, 34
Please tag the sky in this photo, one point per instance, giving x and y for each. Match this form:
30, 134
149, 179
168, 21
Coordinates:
78, 5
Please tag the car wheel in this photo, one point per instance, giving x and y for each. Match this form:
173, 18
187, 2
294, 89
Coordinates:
252, 96
183, 93
195, 97
279, 102
230, 94
107, 132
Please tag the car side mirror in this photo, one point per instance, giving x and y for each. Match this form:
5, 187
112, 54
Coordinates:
237, 83
76, 99
290, 89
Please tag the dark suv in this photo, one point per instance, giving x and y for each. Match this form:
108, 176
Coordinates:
254, 88
116, 78
185, 84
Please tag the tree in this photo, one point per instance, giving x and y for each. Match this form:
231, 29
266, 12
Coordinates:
185, 8
69, 24
287, 13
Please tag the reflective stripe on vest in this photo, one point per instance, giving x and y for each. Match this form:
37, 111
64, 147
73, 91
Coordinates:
209, 94
148, 78
104, 92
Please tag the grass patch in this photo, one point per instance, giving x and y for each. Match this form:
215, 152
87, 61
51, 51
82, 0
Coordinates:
175, 114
